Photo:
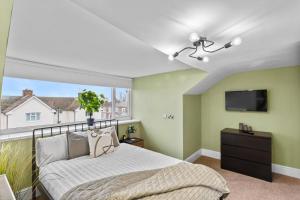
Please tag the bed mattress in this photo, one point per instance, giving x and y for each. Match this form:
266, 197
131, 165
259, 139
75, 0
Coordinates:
61, 176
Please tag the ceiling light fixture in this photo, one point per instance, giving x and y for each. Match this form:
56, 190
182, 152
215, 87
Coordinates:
194, 37
236, 41
203, 42
171, 57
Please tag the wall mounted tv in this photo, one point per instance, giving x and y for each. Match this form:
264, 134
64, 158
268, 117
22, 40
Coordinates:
248, 100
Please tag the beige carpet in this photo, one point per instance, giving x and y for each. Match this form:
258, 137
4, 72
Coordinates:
248, 188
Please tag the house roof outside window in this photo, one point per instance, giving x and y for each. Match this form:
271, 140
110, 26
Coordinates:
9, 103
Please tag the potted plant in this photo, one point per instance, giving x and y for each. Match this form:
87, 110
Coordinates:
16, 164
130, 130
90, 102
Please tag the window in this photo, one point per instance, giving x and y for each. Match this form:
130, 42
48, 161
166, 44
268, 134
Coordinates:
34, 116
121, 102
57, 102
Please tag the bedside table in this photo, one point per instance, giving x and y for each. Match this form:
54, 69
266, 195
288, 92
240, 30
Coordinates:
134, 141
5, 189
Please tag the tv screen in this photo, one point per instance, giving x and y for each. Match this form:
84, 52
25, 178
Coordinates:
248, 100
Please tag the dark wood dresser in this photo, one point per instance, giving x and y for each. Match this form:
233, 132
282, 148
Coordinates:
249, 154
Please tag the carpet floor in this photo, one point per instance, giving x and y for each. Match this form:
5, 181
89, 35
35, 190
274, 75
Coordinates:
247, 188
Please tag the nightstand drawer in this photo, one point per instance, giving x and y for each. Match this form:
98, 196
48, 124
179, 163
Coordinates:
139, 144
134, 141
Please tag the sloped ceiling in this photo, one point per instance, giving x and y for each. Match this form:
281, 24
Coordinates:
132, 38
59, 33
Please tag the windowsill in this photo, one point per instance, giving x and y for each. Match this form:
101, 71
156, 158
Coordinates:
130, 121
28, 135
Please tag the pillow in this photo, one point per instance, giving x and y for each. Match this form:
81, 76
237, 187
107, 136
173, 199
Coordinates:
51, 149
99, 143
78, 145
112, 131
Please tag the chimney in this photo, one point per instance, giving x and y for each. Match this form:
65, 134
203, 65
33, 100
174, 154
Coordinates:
27, 92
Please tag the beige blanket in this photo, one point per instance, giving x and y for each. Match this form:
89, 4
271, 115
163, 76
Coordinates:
178, 182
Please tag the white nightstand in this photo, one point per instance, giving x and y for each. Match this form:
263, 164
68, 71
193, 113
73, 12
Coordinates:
5, 189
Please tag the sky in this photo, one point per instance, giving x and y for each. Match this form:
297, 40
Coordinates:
15, 86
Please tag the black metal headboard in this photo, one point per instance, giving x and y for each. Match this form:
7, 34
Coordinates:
60, 129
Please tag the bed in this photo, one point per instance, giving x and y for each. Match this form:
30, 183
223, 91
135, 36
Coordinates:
57, 179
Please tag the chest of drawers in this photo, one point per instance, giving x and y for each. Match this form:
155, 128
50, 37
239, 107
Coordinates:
248, 154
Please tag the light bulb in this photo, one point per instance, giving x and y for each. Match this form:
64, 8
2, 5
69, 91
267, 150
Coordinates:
236, 41
171, 57
194, 37
205, 59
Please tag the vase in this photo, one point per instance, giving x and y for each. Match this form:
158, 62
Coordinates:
90, 121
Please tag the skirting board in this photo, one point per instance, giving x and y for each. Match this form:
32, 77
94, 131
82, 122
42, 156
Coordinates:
279, 169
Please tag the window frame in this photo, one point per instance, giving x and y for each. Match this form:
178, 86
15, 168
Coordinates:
113, 94
113, 107
33, 116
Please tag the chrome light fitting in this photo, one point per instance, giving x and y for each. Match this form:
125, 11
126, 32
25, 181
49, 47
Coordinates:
203, 42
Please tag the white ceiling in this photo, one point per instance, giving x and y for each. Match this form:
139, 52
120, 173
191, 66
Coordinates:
60, 33
132, 38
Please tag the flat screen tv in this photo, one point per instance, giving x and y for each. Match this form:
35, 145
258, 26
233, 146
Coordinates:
248, 100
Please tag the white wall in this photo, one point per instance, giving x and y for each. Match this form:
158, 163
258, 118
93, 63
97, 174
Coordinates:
2, 121
66, 116
80, 115
17, 117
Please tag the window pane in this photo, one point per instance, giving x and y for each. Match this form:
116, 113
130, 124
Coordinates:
106, 110
32, 117
122, 96
27, 116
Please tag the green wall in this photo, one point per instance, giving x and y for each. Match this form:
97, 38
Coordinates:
5, 14
282, 118
191, 124
156, 95
25, 147
200, 118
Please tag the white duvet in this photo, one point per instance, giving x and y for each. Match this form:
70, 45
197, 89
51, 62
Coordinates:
60, 176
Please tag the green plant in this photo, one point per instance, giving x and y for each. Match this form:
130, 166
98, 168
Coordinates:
90, 101
14, 163
131, 129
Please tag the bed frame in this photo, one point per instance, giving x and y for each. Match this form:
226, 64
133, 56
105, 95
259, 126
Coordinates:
58, 130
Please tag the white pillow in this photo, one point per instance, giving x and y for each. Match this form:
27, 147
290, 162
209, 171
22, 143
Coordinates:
51, 149
112, 131
99, 143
